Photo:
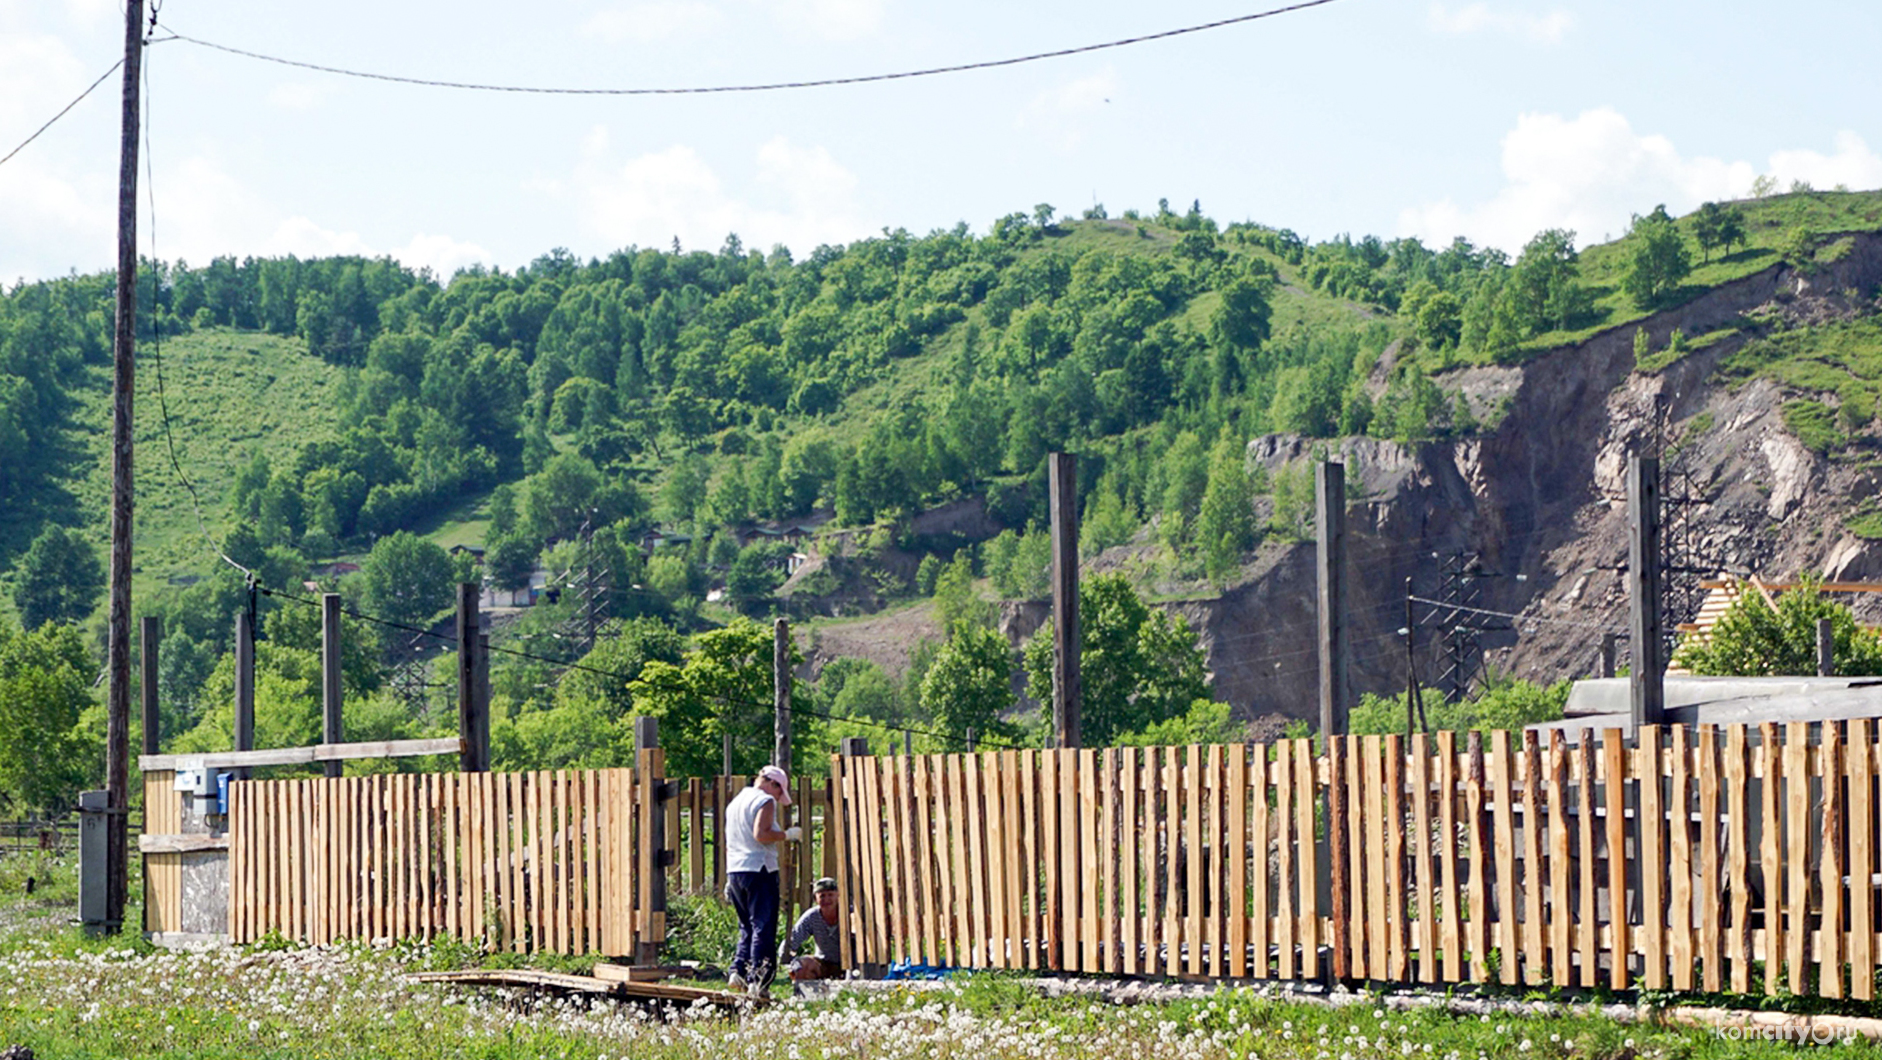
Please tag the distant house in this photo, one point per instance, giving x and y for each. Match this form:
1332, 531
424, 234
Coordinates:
528, 596
476, 551
657, 538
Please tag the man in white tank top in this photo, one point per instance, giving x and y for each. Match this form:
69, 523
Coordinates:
751, 875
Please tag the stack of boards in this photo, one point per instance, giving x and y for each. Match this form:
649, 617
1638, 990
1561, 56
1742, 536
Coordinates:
609, 980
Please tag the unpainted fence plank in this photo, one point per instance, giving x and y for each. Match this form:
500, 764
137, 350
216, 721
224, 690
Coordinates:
1861, 757
1586, 824
1651, 819
1797, 851
1535, 941
1559, 909
1614, 761
1711, 950
1830, 935
1424, 929
1502, 765
1679, 913
1307, 863
1479, 921
1737, 807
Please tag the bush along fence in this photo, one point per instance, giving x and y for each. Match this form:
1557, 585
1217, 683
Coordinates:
1734, 858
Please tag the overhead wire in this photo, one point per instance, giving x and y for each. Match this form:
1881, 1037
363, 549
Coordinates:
62, 112
773, 86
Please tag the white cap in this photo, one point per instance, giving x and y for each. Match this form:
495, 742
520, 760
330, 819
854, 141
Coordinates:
776, 776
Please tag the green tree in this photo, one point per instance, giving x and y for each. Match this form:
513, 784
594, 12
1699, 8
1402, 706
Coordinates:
406, 579
509, 560
46, 755
1657, 260
1225, 522
1137, 665
956, 599
722, 685
58, 579
970, 684
1241, 320
1205, 722
1717, 226
1752, 639
1185, 479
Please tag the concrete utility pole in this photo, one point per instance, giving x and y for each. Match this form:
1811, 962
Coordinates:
1330, 564
1062, 484
1643, 590
781, 694
124, 386
331, 729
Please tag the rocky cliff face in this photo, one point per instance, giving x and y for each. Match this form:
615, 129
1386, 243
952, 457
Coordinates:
1542, 496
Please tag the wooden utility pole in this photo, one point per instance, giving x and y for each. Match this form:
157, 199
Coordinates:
1062, 484
781, 694
1607, 654
152, 638
473, 716
1330, 563
124, 386
331, 729
1643, 590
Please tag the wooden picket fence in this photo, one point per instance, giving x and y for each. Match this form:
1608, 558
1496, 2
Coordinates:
1156, 861
542, 861
1732, 858
699, 849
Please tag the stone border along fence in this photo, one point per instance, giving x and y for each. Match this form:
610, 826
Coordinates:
1739, 858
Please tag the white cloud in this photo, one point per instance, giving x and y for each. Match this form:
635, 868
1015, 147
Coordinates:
38, 75
1593, 172
1852, 164
653, 20
797, 196
831, 19
1546, 28
441, 254
1062, 114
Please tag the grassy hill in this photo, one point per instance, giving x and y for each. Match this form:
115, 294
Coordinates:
230, 395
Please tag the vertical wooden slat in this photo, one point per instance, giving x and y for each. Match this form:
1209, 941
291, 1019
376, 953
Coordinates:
1425, 934
1017, 869
1260, 848
516, 858
1236, 851
1281, 823
1129, 830
1479, 923
1679, 833
1173, 885
1797, 851
1830, 934
1032, 857
896, 877
945, 826
1073, 823
1861, 756
1738, 811
1308, 861
1087, 851
1502, 764
1651, 819
1770, 855
987, 783
1561, 911
1710, 890
1156, 819
1395, 854
1450, 936
597, 911
1614, 761
933, 859
873, 844
1193, 891
1535, 941
1215, 867
1378, 897
961, 934
1587, 936
1108, 790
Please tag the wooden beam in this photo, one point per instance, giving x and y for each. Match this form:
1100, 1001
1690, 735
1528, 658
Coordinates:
291, 756
180, 844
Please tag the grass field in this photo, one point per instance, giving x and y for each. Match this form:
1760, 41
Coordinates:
67, 996
229, 395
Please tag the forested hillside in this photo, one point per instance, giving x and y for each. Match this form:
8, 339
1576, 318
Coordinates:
328, 409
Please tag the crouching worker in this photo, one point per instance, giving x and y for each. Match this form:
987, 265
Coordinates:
820, 923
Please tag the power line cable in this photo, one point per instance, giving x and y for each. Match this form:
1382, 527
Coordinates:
1517, 616
773, 86
62, 113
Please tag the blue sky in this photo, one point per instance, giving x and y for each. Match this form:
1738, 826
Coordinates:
1487, 119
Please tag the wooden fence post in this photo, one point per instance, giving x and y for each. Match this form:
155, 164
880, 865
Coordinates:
654, 856
473, 716
330, 705
152, 634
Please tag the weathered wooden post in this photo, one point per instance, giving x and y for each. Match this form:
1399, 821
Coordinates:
1067, 694
473, 714
331, 730
1643, 590
1330, 564
152, 637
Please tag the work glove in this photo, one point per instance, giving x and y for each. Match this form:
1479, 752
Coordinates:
794, 833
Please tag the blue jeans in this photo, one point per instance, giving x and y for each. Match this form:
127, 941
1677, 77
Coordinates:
754, 896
